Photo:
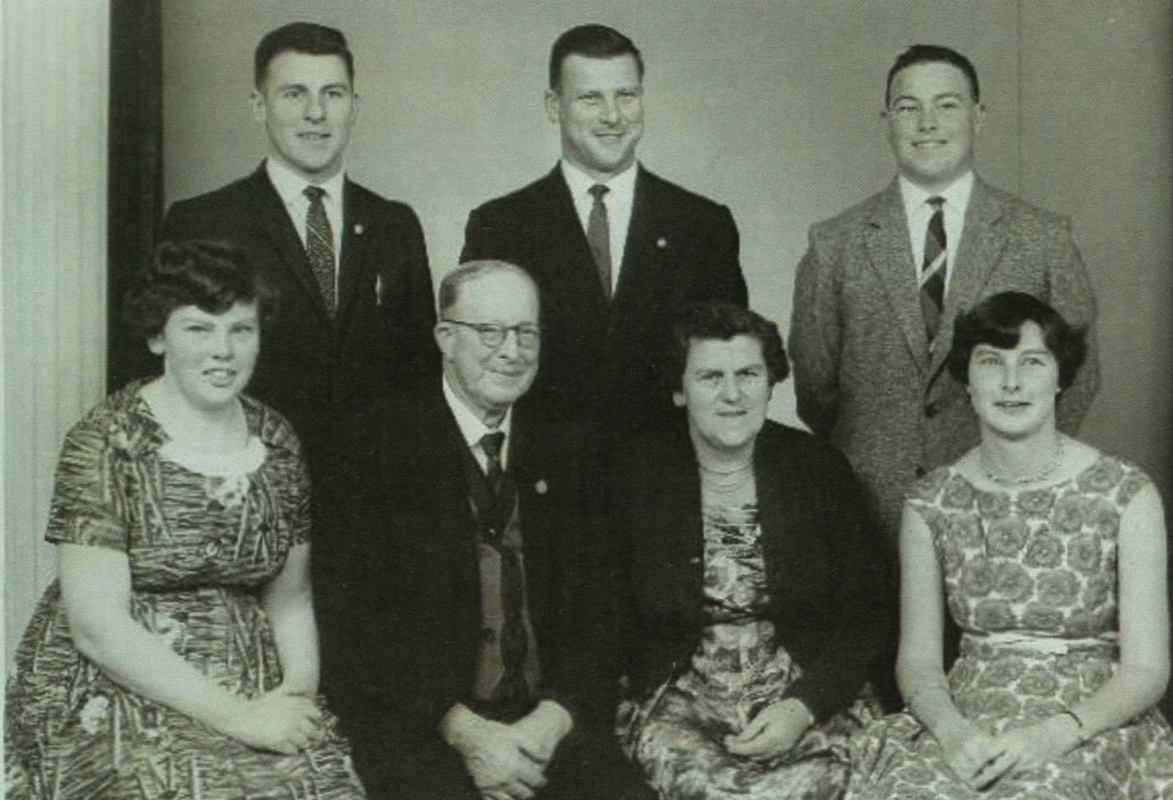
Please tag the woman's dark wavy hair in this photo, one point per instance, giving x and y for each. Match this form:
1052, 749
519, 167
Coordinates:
209, 275
998, 321
718, 319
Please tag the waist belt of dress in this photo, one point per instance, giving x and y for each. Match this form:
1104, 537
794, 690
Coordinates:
1048, 645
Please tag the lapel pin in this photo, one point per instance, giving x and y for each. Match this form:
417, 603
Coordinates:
358, 229
541, 487
661, 243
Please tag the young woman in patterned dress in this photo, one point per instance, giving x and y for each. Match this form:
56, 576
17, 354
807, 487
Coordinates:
1050, 556
175, 658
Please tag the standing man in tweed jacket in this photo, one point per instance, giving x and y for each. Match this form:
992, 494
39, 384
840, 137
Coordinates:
877, 291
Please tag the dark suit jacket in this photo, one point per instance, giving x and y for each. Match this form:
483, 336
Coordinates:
830, 599
863, 372
401, 621
596, 355
312, 369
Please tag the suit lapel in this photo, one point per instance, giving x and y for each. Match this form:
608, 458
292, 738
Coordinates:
272, 219
574, 270
355, 227
982, 242
886, 239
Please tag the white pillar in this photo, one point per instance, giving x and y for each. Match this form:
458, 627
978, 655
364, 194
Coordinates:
55, 93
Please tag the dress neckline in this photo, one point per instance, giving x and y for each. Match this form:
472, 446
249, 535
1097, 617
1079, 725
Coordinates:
1046, 487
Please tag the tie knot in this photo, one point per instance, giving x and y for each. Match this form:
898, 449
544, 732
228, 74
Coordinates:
314, 193
491, 444
598, 190
936, 202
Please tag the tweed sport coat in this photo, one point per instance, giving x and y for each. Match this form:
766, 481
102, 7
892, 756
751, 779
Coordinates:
600, 356
865, 376
312, 368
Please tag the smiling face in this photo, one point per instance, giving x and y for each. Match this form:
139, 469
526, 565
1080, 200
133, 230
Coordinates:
726, 389
599, 109
308, 106
489, 379
209, 358
1013, 391
933, 122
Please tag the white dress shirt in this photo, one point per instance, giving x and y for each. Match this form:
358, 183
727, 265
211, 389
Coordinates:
618, 202
918, 212
291, 189
473, 428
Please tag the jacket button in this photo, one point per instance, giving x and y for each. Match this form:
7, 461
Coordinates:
921, 472
694, 560
933, 409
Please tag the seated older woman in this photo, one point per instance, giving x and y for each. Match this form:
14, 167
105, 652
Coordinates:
176, 655
753, 586
1050, 556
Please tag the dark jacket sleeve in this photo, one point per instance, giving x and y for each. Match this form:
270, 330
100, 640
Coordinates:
860, 617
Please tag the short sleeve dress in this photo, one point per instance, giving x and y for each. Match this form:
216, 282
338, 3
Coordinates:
1030, 578
200, 547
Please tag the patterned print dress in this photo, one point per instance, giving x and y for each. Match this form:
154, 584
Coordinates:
677, 734
200, 548
1030, 578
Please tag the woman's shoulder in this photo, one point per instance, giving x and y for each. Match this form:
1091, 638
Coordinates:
270, 425
121, 422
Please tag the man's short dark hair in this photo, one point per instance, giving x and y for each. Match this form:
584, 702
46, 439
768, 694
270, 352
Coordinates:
929, 54
722, 320
590, 41
212, 276
997, 321
300, 37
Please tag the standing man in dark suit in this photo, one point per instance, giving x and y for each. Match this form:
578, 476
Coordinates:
355, 308
458, 655
876, 293
614, 249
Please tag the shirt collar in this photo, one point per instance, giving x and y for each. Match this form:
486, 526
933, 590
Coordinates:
290, 186
622, 186
916, 198
471, 426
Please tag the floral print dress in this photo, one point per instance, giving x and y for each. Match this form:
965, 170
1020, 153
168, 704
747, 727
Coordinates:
1030, 577
677, 735
200, 548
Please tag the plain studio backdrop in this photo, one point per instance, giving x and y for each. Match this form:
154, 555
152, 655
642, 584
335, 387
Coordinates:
772, 108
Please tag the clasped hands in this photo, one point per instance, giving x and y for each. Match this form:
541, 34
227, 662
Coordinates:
507, 762
772, 732
980, 760
280, 720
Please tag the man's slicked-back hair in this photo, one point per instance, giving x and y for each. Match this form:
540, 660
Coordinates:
590, 41
449, 292
721, 320
300, 37
929, 54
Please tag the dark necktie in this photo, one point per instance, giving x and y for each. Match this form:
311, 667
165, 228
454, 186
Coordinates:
319, 244
599, 236
513, 688
932, 273
491, 444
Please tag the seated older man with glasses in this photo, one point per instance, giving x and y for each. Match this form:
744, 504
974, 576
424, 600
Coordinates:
454, 655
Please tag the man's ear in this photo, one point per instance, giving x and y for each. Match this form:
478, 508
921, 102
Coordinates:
553, 102
443, 333
257, 101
